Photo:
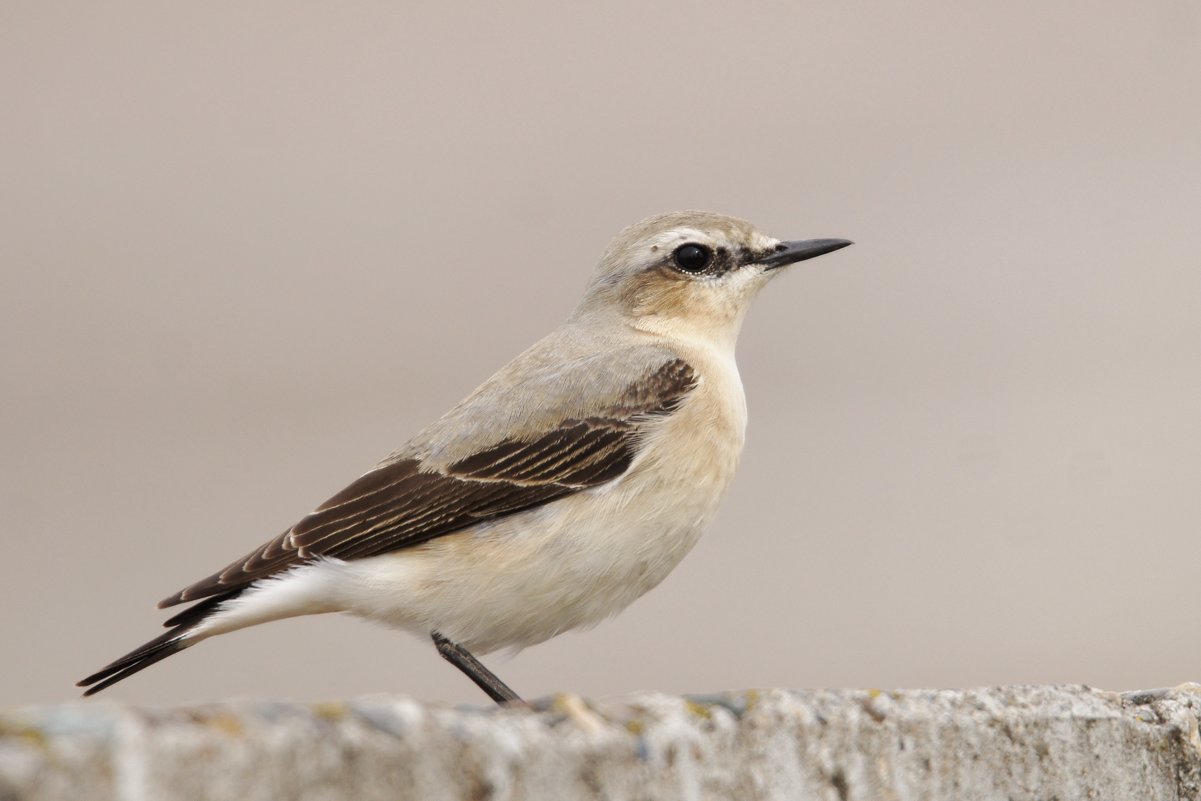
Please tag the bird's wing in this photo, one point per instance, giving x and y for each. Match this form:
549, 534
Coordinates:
437, 485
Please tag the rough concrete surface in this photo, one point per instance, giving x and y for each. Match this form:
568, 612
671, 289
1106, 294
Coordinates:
846, 745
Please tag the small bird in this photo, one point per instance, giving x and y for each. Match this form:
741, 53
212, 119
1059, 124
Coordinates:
567, 485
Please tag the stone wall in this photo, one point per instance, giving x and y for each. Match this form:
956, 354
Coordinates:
1003, 743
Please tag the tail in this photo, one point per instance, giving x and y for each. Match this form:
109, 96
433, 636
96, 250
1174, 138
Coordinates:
161, 647
306, 589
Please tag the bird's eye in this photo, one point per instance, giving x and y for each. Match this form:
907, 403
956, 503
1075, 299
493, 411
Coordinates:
692, 258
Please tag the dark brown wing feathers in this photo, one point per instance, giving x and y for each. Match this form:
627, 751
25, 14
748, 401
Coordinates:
399, 504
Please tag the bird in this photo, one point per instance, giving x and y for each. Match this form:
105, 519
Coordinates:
562, 489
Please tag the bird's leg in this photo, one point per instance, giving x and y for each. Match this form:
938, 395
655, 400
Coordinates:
485, 679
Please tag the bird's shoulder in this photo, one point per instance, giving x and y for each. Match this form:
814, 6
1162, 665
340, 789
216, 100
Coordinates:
560, 381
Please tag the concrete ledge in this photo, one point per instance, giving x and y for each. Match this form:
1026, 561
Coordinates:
1004, 743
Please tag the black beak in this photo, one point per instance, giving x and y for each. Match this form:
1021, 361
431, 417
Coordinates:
799, 250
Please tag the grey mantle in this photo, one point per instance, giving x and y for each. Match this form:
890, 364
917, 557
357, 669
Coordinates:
843, 745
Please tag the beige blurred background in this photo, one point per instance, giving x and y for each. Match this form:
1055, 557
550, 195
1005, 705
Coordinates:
247, 249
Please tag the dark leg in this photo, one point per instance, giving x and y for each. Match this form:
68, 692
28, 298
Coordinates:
485, 679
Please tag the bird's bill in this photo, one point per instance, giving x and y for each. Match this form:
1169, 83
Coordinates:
799, 250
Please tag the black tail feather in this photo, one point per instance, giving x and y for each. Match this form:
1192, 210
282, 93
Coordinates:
158, 649
161, 647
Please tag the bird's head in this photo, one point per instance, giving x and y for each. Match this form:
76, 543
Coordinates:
691, 272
